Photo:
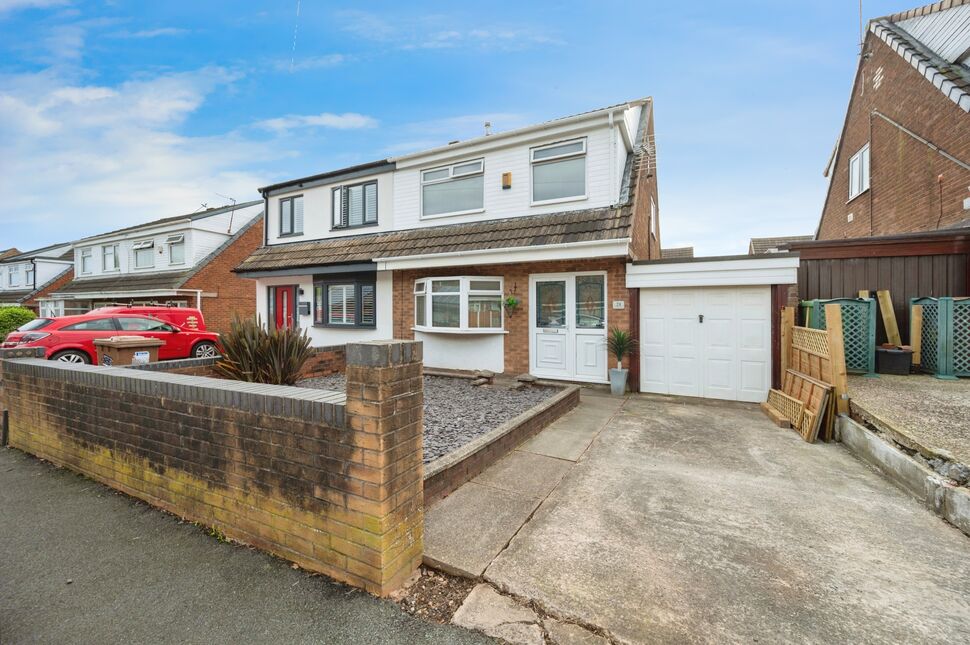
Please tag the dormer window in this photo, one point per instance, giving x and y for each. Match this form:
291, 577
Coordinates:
13, 276
87, 260
453, 190
109, 258
559, 172
144, 254
176, 248
29, 276
355, 206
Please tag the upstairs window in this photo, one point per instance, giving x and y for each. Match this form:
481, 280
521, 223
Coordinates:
144, 254
109, 258
859, 172
13, 276
350, 303
453, 190
559, 172
176, 248
459, 304
87, 260
291, 216
355, 205
29, 276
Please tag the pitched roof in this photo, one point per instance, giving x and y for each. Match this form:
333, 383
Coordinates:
27, 255
17, 296
761, 245
533, 230
137, 282
9, 252
189, 217
677, 252
934, 39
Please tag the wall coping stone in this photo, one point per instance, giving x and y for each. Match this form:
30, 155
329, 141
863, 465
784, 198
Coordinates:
384, 353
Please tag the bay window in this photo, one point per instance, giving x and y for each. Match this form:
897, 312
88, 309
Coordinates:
453, 190
350, 303
559, 171
355, 206
458, 304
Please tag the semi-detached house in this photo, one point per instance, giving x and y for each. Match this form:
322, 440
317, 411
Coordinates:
27, 277
184, 260
505, 252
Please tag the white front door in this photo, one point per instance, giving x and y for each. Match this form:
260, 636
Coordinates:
709, 342
567, 326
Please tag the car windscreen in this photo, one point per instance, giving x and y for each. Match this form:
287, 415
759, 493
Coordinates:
36, 323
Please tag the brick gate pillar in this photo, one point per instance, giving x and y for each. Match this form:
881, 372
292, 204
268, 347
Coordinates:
385, 411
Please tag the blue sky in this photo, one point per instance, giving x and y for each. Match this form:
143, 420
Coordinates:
117, 112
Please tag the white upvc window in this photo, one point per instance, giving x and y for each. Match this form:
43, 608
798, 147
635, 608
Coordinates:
176, 248
29, 276
459, 304
144, 254
453, 190
13, 276
559, 172
109, 258
859, 172
87, 261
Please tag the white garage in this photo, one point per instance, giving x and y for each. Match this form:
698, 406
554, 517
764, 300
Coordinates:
706, 324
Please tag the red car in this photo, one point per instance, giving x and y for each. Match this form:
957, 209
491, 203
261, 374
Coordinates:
70, 338
184, 317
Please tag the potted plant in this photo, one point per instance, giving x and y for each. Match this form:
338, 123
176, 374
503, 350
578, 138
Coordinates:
511, 304
620, 344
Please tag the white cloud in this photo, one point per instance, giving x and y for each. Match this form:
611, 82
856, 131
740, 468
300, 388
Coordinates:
83, 158
309, 63
151, 33
345, 121
439, 32
15, 5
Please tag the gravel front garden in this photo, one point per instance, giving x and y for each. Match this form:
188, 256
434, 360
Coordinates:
455, 411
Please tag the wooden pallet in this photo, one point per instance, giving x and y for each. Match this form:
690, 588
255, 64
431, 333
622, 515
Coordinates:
787, 408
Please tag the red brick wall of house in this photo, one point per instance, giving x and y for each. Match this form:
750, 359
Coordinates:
234, 295
904, 193
516, 281
644, 244
59, 283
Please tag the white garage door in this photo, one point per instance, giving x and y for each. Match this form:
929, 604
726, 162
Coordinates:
709, 342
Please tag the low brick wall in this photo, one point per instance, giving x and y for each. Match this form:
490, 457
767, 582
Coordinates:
330, 481
326, 361
443, 476
187, 366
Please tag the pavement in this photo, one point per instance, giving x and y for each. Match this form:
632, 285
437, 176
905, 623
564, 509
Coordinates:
689, 521
921, 412
466, 531
80, 563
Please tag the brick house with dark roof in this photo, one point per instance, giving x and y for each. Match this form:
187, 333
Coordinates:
505, 252
185, 260
902, 163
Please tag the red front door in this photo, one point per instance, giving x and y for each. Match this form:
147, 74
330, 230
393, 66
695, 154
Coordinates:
283, 303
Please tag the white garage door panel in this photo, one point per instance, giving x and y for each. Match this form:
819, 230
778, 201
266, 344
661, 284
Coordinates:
725, 356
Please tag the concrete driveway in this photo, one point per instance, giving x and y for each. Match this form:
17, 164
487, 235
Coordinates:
692, 521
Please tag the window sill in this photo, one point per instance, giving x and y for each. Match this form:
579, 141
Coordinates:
561, 200
348, 327
337, 229
852, 199
455, 214
465, 332
282, 235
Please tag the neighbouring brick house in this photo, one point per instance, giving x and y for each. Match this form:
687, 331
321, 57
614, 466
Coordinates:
185, 260
435, 245
902, 163
26, 278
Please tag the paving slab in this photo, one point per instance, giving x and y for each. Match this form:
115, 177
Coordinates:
569, 436
499, 616
525, 473
467, 529
568, 634
691, 522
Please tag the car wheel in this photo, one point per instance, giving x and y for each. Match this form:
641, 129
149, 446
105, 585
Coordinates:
205, 350
71, 356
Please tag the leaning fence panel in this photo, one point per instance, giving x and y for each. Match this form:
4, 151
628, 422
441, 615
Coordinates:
858, 329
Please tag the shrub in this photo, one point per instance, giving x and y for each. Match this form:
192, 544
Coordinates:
13, 317
252, 353
620, 343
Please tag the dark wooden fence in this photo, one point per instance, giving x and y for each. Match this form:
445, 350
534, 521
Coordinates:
908, 266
